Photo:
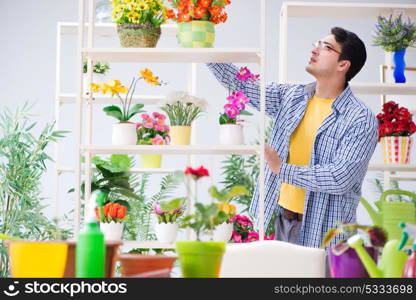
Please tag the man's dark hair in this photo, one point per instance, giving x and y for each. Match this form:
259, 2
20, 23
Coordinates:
352, 49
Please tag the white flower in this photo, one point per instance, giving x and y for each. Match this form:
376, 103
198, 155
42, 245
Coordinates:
184, 97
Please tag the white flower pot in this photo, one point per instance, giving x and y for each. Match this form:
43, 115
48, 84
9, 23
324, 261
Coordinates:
112, 231
124, 134
96, 78
223, 232
166, 232
231, 134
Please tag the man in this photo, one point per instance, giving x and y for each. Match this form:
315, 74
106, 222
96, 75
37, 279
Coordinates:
322, 140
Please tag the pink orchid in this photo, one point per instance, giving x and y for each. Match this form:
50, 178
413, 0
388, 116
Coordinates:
157, 209
244, 74
231, 111
240, 97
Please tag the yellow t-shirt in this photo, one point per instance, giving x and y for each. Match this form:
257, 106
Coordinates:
300, 149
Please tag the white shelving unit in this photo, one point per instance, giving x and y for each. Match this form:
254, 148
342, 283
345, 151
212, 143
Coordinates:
86, 31
338, 10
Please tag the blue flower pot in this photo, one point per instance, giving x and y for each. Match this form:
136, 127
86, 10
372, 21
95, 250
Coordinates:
400, 65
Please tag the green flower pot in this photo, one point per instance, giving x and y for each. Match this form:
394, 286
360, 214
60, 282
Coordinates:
196, 34
200, 259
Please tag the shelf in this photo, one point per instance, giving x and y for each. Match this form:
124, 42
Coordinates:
345, 10
148, 244
403, 178
178, 55
143, 99
378, 88
64, 169
172, 150
108, 29
392, 167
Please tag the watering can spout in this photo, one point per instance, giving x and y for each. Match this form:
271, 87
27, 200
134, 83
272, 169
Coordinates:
374, 215
370, 265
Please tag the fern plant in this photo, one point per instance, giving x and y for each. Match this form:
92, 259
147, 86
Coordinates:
22, 164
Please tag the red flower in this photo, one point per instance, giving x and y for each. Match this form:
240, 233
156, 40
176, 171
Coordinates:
400, 127
390, 107
197, 173
204, 3
402, 114
412, 128
382, 118
385, 129
170, 14
184, 18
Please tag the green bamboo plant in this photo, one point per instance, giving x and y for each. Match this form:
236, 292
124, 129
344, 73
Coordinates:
23, 160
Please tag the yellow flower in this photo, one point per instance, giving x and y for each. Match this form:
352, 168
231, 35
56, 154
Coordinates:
94, 87
227, 208
142, 6
149, 77
104, 88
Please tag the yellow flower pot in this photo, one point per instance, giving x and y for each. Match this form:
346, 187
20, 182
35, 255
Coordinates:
151, 161
180, 135
37, 259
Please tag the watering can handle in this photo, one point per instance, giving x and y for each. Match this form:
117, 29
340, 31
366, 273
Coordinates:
397, 192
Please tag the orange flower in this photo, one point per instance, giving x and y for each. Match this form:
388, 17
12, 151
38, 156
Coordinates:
184, 18
170, 14
199, 12
215, 10
121, 212
204, 3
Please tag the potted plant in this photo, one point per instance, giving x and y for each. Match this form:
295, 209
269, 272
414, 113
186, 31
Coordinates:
138, 22
196, 20
152, 131
200, 258
395, 130
243, 231
111, 222
167, 214
395, 35
99, 71
343, 260
224, 226
182, 109
231, 130
124, 132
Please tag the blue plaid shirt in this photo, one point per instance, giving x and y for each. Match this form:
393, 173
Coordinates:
342, 149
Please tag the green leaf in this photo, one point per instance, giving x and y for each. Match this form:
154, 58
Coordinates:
220, 196
245, 113
329, 235
114, 111
120, 163
135, 110
237, 190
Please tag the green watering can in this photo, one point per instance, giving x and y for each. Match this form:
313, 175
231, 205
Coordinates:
391, 213
390, 264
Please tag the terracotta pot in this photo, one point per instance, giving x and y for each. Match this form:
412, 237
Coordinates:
133, 264
111, 253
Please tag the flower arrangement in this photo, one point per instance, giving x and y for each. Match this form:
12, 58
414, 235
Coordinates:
198, 10
126, 112
139, 12
98, 67
243, 230
372, 236
394, 34
112, 212
169, 212
237, 100
153, 131
182, 108
395, 121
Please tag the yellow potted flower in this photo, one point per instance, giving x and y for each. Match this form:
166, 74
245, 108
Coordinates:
138, 22
124, 132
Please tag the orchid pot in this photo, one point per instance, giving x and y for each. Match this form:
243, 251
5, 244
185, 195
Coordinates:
124, 133
231, 134
166, 232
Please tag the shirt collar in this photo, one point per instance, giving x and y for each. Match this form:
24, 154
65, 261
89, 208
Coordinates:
339, 104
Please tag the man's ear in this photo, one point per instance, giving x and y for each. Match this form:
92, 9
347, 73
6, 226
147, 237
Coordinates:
344, 65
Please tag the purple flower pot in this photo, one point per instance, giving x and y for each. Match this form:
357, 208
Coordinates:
348, 264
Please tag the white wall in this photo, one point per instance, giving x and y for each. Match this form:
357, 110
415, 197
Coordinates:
27, 59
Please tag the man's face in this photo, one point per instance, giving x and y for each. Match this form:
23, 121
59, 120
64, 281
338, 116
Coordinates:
324, 62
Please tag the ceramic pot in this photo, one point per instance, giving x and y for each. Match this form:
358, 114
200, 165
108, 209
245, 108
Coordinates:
166, 232
180, 135
124, 133
223, 232
231, 134
196, 34
396, 149
134, 264
112, 231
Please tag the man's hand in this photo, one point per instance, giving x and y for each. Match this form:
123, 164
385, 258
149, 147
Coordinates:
272, 159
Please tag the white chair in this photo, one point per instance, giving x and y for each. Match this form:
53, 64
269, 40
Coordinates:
272, 259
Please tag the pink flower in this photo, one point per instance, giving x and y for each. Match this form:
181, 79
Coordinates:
160, 122
270, 237
162, 117
157, 209
145, 117
158, 140
236, 237
148, 125
231, 110
244, 74
240, 97
167, 128
252, 236
231, 99
138, 125
243, 220
155, 114
159, 128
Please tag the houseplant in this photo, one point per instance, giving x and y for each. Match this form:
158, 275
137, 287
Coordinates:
343, 260
99, 71
138, 22
231, 129
124, 132
152, 131
395, 130
243, 231
182, 109
196, 20
224, 226
167, 213
111, 222
23, 159
395, 35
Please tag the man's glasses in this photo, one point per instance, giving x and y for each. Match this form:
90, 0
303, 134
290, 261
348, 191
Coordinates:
324, 46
